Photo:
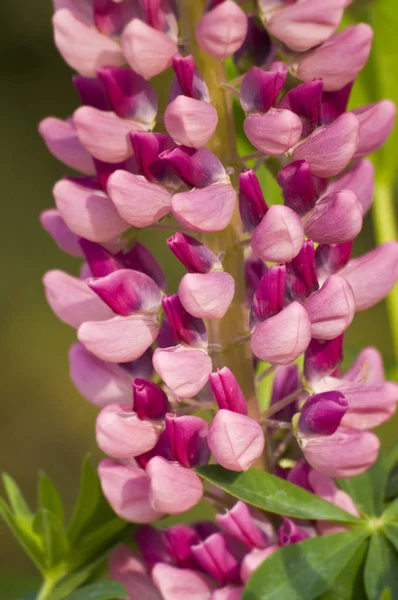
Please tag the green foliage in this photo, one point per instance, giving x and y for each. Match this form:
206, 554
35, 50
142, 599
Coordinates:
103, 590
368, 489
67, 556
274, 495
381, 569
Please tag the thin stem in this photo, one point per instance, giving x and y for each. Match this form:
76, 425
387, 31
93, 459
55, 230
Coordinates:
251, 156
283, 446
218, 501
169, 227
275, 424
384, 223
281, 404
47, 587
230, 88
266, 373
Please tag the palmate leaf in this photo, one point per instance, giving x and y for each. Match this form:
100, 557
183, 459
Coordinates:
381, 569
305, 570
368, 489
349, 584
103, 590
274, 495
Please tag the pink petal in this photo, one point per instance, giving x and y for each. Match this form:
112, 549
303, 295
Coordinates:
174, 489
360, 179
331, 309
120, 339
227, 593
87, 210
369, 404
72, 300
222, 30
181, 584
273, 132
205, 209
253, 560
325, 488
330, 148
346, 453
54, 224
367, 367
335, 219
63, 142
373, 275
104, 134
190, 122
128, 192
129, 570
121, 434
127, 491
148, 51
236, 440
283, 338
81, 9
82, 46
376, 122
184, 370
207, 295
100, 382
280, 236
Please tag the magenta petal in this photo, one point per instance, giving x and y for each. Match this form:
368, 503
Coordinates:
360, 179
184, 370
273, 132
376, 122
322, 413
82, 46
222, 30
188, 439
346, 453
127, 192
260, 89
190, 122
63, 142
127, 491
148, 51
87, 210
120, 339
330, 148
239, 523
180, 584
194, 255
205, 209
207, 295
283, 338
196, 167
331, 309
174, 489
280, 235
215, 557
227, 392
127, 291
121, 434
236, 440
335, 219
72, 300
100, 382
54, 224
373, 275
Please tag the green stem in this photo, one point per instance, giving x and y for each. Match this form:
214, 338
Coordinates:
385, 228
47, 587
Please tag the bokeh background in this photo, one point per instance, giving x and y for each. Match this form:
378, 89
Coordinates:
44, 423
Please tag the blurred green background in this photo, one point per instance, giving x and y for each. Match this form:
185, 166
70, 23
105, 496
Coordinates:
44, 423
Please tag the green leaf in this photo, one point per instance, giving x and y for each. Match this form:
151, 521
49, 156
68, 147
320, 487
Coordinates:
391, 531
29, 541
367, 490
386, 595
55, 541
17, 501
73, 580
49, 497
103, 590
305, 570
349, 583
392, 484
391, 512
381, 569
275, 495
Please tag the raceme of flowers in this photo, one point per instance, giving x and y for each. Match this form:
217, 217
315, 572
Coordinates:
152, 360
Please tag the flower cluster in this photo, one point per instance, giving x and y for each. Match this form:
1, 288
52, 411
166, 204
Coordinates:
266, 283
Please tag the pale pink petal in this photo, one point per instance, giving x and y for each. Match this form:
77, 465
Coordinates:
184, 370
82, 46
190, 122
283, 338
236, 440
367, 368
173, 489
376, 122
325, 488
222, 30
253, 560
72, 300
129, 570
63, 142
335, 219
280, 235
207, 295
273, 132
227, 593
54, 224
360, 179
205, 209
138, 201
120, 339
369, 404
331, 309
181, 584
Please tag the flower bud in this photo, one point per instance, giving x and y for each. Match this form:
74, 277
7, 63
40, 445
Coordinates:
149, 400
185, 328
184, 370
273, 132
360, 178
173, 489
339, 60
194, 255
54, 224
188, 440
63, 142
330, 148
239, 523
322, 414
188, 80
222, 30
215, 557
91, 92
335, 219
190, 122
330, 258
196, 167
179, 540
252, 205
227, 392
139, 258
236, 440
322, 357
290, 533
298, 186
207, 209
301, 276
208, 295
268, 299
100, 261
260, 90
280, 236
331, 309
335, 103
305, 101
376, 122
